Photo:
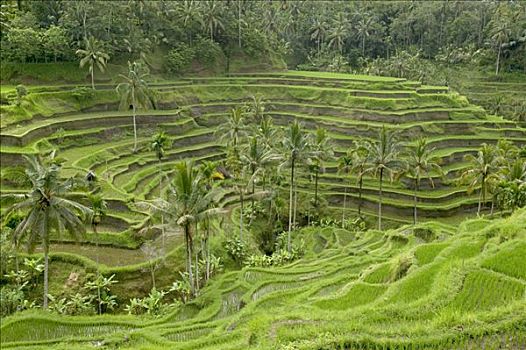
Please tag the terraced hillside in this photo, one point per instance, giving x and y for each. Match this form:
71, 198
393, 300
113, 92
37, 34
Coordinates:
91, 134
432, 286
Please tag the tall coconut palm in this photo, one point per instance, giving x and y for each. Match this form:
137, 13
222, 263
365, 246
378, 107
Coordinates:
256, 158
337, 37
99, 208
363, 29
256, 108
159, 143
482, 168
48, 209
93, 55
267, 132
500, 32
234, 129
318, 32
295, 147
190, 201
134, 93
212, 18
344, 168
321, 151
384, 160
421, 163
359, 167
189, 13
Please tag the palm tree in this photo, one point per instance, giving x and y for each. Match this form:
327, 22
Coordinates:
134, 92
420, 162
99, 208
359, 167
256, 108
384, 160
344, 167
190, 201
318, 31
188, 13
159, 143
295, 145
321, 151
267, 132
363, 28
337, 37
93, 56
500, 32
234, 129
482, 168
212, 18
48, 209
256, 158
354, 162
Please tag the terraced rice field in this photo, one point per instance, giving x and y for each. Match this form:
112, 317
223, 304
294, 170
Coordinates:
99, 138
458, 292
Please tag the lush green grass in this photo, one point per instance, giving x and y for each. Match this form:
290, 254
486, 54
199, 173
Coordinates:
318, 301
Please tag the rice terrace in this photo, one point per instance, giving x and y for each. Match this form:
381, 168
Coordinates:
263, 175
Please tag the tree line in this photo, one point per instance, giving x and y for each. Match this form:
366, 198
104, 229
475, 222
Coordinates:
308, 34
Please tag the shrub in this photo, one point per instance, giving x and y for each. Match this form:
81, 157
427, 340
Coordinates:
257, 260
21, 92
236, 249
424, 233
82, 95
179, 58
150, 305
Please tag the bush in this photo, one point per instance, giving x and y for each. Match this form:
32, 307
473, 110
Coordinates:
83, 94
236, 249
424, 233
21, 92
151, 305
180, 58
204, 51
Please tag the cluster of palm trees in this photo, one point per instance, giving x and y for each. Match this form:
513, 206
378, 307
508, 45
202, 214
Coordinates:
335, 33
499, 172
259, 151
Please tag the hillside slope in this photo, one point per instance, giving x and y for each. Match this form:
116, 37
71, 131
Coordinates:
430, 287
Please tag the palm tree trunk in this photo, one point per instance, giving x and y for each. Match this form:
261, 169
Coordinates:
239, 22
134, 125
344, 207
98, 268
241, 215
160, 196
196, 270
290, 204
189, 256
363, 46
152, 271
360, 196
253, 190
46, 274
295, 205
316, 188
207, 247
481, 196
380, 200
414, 201
92, 78
498, 61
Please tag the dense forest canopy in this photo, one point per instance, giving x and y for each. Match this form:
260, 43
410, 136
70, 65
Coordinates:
314, 35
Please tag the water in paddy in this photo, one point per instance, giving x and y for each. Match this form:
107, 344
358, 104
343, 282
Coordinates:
111, 256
